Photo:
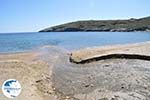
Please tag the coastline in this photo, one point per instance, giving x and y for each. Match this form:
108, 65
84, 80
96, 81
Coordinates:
47, 74
127, 25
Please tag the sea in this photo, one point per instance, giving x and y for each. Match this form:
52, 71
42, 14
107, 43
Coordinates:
21, 42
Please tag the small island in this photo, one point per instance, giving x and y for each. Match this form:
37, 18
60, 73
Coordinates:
130, 25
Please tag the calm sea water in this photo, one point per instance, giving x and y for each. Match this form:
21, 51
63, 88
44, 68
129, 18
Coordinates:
19, 42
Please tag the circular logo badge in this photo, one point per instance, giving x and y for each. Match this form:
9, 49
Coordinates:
11, 88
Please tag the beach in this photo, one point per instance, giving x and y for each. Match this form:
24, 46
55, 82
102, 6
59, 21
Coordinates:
33, 75
75, 50
48, 74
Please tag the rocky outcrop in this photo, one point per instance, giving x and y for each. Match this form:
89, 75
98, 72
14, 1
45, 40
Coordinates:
142, 24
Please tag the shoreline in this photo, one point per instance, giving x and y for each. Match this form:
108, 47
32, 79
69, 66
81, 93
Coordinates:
98, 31
47, 74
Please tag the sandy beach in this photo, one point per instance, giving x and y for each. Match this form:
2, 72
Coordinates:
48, 74
33, 75
75, 50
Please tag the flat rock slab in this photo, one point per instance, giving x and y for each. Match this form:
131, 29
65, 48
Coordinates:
131, 51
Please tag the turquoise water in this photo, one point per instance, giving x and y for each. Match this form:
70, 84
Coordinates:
19, 42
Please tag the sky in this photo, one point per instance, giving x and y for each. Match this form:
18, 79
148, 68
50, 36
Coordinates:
34, 15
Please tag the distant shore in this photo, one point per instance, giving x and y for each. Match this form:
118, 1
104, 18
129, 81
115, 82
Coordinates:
130, 25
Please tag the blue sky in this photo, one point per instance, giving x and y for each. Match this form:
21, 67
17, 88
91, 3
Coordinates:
33, 15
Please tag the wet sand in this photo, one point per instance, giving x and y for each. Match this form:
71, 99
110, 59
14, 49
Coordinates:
47, 74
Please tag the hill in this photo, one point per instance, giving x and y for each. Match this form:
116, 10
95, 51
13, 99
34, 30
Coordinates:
142, 24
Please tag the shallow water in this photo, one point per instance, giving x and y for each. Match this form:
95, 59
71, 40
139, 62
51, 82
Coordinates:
19, 42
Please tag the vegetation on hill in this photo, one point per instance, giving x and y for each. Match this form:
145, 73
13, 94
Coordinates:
142, 24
